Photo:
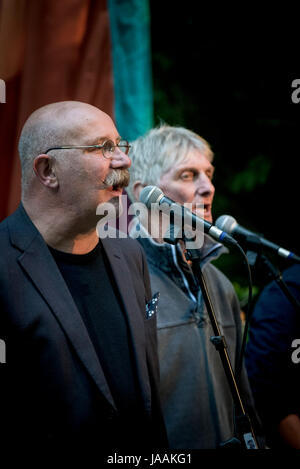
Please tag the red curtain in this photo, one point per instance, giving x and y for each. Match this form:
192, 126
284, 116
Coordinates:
49, 51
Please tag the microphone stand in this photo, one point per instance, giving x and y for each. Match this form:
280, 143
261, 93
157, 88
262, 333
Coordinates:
243, 424
244, 430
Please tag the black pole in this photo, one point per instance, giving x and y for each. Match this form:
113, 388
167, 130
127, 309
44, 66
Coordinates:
243, 424
276, 275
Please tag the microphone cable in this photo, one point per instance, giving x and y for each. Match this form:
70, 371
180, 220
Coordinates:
248, 314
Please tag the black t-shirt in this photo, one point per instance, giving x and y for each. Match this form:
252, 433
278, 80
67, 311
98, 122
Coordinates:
92, 286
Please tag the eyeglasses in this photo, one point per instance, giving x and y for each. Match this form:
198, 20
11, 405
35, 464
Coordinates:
108, 147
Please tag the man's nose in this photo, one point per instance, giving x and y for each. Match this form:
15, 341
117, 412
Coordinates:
204, 185
120, 160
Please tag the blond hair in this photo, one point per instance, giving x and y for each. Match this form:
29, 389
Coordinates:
159, 149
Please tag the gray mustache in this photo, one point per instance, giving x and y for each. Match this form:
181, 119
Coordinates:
118, 177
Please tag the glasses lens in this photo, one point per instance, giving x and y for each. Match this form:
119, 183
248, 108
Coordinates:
124, 146
108, 148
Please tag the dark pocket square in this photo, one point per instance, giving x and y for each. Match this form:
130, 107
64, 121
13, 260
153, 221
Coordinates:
151, 306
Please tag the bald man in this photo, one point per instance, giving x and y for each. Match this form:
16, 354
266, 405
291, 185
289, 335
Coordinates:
81, 365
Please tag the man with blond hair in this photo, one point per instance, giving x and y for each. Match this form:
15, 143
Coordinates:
196, 398
81, 365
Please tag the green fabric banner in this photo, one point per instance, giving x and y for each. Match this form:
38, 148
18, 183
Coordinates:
132, 73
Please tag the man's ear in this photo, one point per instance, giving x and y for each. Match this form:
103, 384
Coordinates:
136, 189
43, 168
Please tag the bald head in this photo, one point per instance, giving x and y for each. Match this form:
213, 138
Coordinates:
53, 125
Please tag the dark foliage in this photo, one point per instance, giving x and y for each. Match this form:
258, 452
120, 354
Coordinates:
228, 76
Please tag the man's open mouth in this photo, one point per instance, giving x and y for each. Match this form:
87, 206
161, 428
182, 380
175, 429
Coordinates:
207, 208
117, 187
201, 209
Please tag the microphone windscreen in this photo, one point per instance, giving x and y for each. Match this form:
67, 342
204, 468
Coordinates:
150, 195
226, 223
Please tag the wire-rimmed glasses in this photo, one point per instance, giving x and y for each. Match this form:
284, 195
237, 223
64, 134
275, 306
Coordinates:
108, 147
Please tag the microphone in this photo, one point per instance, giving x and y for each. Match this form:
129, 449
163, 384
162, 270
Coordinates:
153, 195
230, 225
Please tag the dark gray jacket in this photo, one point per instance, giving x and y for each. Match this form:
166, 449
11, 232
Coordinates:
196, 399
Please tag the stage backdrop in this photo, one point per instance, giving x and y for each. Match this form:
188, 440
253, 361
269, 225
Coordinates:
96, 51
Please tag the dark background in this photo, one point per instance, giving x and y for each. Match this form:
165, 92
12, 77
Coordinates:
227, 75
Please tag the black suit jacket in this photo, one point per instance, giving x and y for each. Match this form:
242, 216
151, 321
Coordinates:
53, 387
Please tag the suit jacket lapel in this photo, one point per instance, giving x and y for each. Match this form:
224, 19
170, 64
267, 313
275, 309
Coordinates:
39, 264
135, 320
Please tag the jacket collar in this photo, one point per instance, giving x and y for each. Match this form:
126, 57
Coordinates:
161, 254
